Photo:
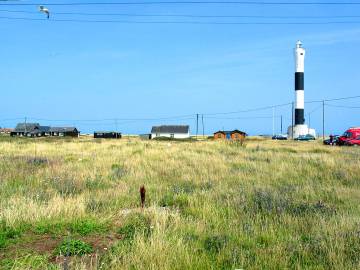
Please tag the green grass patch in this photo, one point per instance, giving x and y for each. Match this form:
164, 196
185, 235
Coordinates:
73, 247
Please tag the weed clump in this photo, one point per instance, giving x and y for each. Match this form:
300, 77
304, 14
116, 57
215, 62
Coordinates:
7, 233
267, 202
68, 186
135, 224
93, 205
117, 171
173, 200
86, 226
214, 244
70, 247
37, 161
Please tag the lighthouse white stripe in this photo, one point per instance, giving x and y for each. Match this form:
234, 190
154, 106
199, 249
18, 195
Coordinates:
299, 99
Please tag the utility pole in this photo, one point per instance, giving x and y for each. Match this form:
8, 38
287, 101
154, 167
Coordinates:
273, 120
323, 118
203, 128
25, 127
116, 128
197, 125
281, 124
292, 120
309, 116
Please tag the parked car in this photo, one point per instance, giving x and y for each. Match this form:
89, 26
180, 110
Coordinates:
334, 142
307, 137
353, 142
279, 137
350, 134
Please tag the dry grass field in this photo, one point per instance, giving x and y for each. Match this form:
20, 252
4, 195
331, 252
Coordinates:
209, 205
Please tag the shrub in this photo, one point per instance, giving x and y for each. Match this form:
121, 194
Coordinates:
117, 171
67, 186
215, 243
93, 205
96, 183
37, 161
265, 201
135, 224
73, 248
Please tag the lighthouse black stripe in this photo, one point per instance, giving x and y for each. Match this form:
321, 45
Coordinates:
299, 81
299, 117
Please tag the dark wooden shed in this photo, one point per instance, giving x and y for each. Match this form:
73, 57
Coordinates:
107, 135
64, 132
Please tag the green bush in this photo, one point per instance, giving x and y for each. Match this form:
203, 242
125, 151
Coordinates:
73, 248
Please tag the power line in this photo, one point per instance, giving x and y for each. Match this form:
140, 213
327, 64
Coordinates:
333, 99
341, 106
262, 3
186, 15
251, 110
181, 117
180, 22
191, 116
242, 118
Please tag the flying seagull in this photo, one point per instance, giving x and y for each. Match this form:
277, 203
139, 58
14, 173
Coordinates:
45, 10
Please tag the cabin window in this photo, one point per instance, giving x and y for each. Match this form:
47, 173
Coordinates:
219, 135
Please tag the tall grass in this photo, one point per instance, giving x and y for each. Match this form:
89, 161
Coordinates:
209, 204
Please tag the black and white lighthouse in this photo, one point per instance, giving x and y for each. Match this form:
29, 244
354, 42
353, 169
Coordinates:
300, 128
299, 84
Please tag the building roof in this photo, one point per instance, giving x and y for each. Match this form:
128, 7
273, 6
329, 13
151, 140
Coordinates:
63, 129
230, 131
28, 127
107, 132
171, 129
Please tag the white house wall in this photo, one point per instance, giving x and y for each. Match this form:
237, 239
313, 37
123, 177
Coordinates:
168, 135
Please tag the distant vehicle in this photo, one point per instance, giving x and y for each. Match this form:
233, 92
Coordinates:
279, 137
350, 134
353, 142
334, 142
307, 137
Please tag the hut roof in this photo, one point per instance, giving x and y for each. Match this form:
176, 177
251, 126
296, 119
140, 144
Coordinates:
230, 132
171, 129
63, 129
28, 127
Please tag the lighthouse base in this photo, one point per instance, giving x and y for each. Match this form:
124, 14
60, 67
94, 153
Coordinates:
298, 130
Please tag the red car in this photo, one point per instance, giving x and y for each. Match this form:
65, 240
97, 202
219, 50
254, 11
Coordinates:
350, 134
353, 142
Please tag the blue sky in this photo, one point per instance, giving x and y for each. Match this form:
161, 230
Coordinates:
91, 71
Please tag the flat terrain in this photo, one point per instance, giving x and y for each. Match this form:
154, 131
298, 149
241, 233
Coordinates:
209, 205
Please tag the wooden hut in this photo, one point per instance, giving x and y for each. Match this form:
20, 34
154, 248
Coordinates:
64, 132
107, 135
234, 135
